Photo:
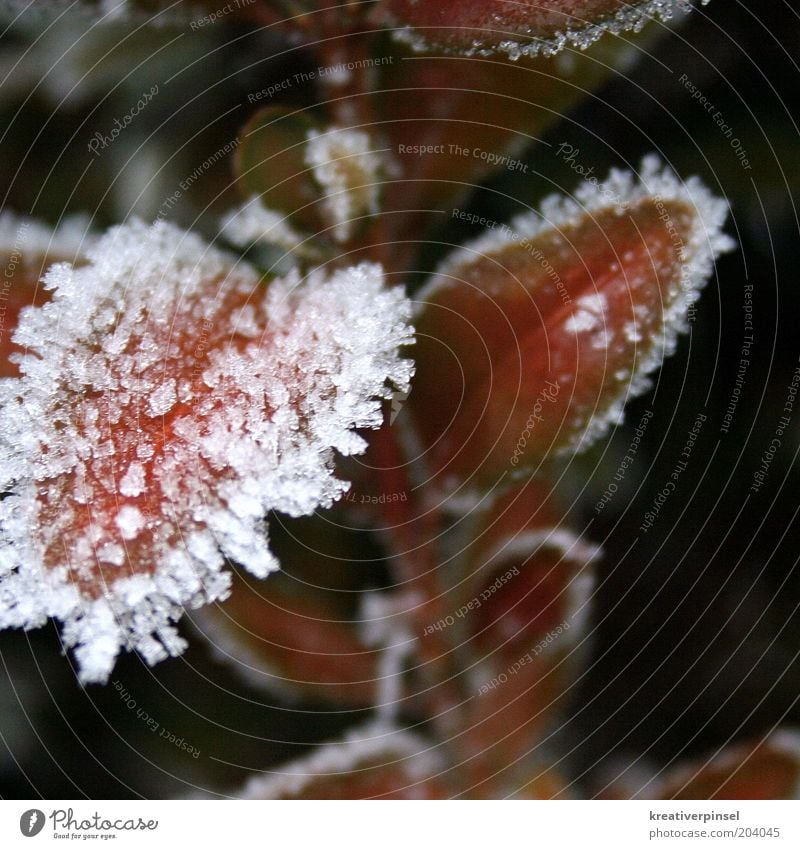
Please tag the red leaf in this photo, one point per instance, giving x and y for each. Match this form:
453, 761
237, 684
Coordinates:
529, 575
292, 645
168, 402
518, 27
767, 769
531, 339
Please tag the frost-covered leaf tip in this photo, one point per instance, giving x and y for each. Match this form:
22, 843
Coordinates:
519, 27
167, 401
532, 338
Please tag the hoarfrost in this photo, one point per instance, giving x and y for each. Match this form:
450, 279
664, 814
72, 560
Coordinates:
167, 402
252, 223
348, 172
378, 743
629, 18
703, 244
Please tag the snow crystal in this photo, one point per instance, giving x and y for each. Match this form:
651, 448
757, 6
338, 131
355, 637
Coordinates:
130, 521
630, 18
149, 418
347, 172
588, 315
252, 223
134, 481
162, 399
704, 243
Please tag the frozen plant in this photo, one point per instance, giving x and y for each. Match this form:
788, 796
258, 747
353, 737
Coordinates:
167, 406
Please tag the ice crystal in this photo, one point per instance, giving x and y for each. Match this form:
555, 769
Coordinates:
167, 401
253, 224
347, 170
631, 17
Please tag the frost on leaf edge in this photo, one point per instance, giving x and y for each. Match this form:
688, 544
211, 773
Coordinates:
621, 189
629, 19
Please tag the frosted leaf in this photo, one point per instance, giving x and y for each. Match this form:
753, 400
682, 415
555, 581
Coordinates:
167, 402
520, 29
378, 759
533, 337
252, 224
347, 171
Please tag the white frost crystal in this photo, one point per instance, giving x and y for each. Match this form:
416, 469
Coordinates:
630, 17
168, 400
347, 171
252, 223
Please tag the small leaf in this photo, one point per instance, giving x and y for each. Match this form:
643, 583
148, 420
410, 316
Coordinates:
374, 762
518, 27
291, 645
530, 583
532, 338
530, 576
270, 163
324, 180
168, 401
766, 769
299, 634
